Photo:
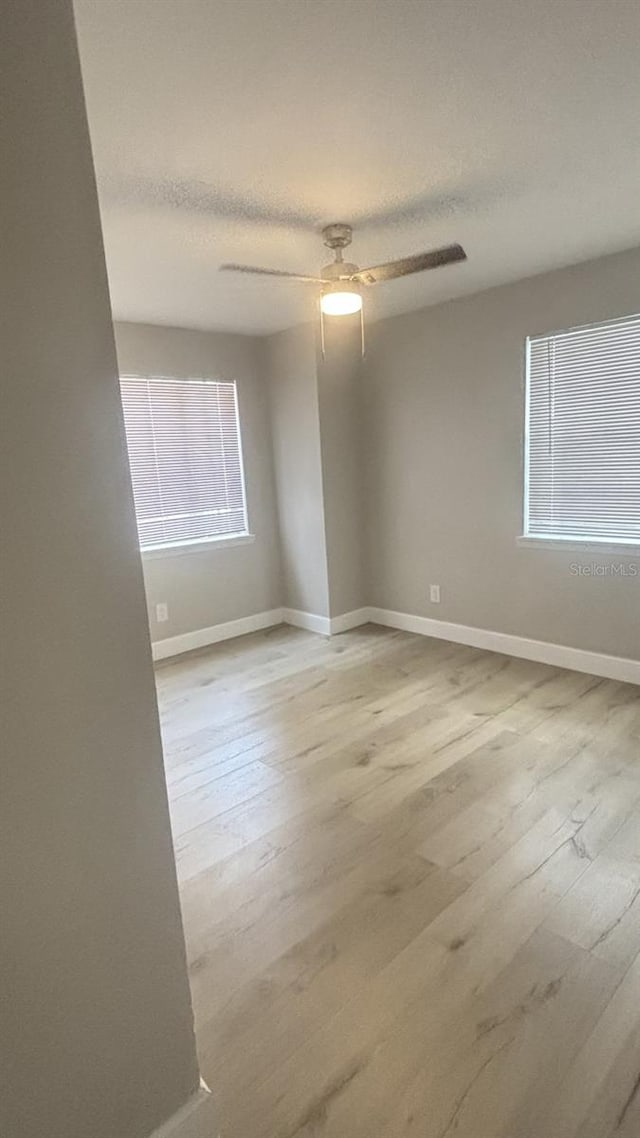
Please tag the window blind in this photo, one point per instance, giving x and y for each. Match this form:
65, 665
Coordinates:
582, 463
183, 438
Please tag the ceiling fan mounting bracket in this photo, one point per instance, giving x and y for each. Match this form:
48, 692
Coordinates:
337, 236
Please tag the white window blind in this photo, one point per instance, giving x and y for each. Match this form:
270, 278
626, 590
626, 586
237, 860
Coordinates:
185, 455
582, 462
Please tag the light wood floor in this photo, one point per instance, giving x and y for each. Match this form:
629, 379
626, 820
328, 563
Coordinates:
410, 876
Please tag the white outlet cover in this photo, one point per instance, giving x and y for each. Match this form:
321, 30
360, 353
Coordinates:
162, 612
434, 594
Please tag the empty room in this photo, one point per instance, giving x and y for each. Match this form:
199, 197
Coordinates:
321, 573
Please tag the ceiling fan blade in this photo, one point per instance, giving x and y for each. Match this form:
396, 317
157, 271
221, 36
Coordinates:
268, 273
448, 255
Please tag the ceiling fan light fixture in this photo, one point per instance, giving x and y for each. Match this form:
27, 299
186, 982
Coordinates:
341, 281
341, 299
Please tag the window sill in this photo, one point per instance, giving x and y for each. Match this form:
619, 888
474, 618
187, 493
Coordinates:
203, 545
576, 545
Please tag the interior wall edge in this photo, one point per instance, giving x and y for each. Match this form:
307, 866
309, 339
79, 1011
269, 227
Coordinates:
196, 1119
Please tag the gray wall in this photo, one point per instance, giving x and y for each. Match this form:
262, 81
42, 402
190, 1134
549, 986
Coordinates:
316, 424
96, 1028
443, 464
209, 586
340, 423
290, 363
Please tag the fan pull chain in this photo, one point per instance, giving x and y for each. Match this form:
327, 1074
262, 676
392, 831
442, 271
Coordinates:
322, 339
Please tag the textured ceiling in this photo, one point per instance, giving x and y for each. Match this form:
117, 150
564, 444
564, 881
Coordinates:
232, 130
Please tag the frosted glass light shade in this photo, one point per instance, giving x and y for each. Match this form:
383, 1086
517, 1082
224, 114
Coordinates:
342, 299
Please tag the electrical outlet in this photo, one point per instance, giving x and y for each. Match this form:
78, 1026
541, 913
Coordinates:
162, 612
434, 594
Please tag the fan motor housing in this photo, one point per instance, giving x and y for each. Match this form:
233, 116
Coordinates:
338, 269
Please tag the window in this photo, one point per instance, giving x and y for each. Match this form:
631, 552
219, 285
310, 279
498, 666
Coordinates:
185, 455
582, 452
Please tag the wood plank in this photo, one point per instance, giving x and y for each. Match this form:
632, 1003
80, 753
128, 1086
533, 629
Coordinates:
410, 881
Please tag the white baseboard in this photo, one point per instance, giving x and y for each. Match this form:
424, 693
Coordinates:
310, 621
201, 637
348, 620
196, 1119
324, 625
543, 652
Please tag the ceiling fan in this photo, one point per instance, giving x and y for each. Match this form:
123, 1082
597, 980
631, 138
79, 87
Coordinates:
342, 282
